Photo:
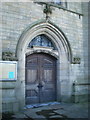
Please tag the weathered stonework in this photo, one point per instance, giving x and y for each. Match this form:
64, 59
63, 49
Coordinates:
8, 56
21, 22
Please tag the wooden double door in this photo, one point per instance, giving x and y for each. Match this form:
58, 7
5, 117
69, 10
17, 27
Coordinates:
40, 84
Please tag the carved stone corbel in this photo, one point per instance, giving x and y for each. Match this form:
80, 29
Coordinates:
8, 56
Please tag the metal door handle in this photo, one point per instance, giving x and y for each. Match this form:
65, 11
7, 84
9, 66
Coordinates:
40, 85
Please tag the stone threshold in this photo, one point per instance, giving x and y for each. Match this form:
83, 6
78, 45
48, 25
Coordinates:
40, 105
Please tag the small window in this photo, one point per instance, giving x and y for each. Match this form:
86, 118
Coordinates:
58, 2
41, 40
63, 3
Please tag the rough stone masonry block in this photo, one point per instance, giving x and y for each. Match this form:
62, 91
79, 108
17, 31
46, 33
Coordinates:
81, 98
8, 93
7, 107
15, 107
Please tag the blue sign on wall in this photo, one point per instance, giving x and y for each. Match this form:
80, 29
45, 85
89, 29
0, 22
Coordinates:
11, 75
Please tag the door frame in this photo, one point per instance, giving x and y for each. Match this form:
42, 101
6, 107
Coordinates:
63, 55
55, 60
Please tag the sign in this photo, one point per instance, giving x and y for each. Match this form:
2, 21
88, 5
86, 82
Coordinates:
8, 70
11, 75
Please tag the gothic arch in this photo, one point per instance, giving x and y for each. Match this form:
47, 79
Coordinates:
49, 29
64, 57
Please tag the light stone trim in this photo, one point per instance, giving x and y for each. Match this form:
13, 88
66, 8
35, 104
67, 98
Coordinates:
54, 53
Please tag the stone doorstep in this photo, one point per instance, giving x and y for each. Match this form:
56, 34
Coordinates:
19, 115
32, 114
73, 113
42, 105
68, 110
56, 116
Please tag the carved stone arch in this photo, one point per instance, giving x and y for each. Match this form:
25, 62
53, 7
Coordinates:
49, 29
64, 57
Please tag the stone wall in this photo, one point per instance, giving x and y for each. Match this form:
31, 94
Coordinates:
18, 16
83, 89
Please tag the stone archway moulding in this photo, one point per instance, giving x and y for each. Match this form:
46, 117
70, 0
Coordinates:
64, 57
49, 29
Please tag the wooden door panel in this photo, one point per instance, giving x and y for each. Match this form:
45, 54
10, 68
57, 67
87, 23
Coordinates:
31, 93
31, 76
32, 96
47, 96
48, 75
47, 61
49, 86
40, 78
31, 80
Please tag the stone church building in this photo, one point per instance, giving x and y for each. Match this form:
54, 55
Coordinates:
44, 53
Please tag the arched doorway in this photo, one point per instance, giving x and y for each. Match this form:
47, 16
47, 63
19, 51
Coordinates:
62, 52
40, 78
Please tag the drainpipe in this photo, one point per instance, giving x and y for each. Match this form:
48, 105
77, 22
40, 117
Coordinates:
73, 91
